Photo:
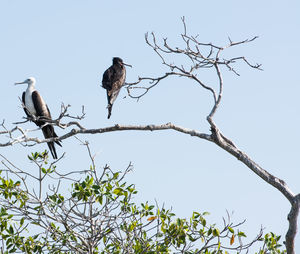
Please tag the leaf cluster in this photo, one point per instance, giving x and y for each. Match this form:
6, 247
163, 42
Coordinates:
98, 215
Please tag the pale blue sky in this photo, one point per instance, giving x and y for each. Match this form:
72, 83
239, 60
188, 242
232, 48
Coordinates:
67, 45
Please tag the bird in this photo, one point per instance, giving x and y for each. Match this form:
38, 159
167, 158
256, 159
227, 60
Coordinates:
34, 105
113, 80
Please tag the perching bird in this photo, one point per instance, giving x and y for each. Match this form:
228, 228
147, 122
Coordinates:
113, 79
36, 106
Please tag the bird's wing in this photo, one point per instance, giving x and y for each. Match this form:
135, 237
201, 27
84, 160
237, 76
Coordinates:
48, 112
42, 110
107, 78
24, 107
40, 106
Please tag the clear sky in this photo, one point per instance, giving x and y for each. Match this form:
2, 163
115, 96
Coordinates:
67, 45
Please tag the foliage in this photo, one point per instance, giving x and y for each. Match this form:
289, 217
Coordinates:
98, 215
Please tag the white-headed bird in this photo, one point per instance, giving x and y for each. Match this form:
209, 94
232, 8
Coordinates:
34, 105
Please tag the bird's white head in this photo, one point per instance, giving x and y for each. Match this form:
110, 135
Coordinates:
30, 81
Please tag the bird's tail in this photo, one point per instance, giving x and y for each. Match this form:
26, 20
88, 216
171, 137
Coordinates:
52, 149
48, 132
109, 107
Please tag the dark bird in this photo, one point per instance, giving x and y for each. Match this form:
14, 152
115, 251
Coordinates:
113, 79
34, 105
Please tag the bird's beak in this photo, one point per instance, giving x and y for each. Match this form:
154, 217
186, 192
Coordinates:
127, 65
19, 83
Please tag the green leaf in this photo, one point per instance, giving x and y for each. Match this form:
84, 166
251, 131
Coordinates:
99, 199
231, 230
22, 221
241, 234
118, 191
11, 230
216, 232
209, 231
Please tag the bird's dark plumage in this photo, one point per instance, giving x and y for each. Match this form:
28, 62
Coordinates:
42, 112
113, 79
